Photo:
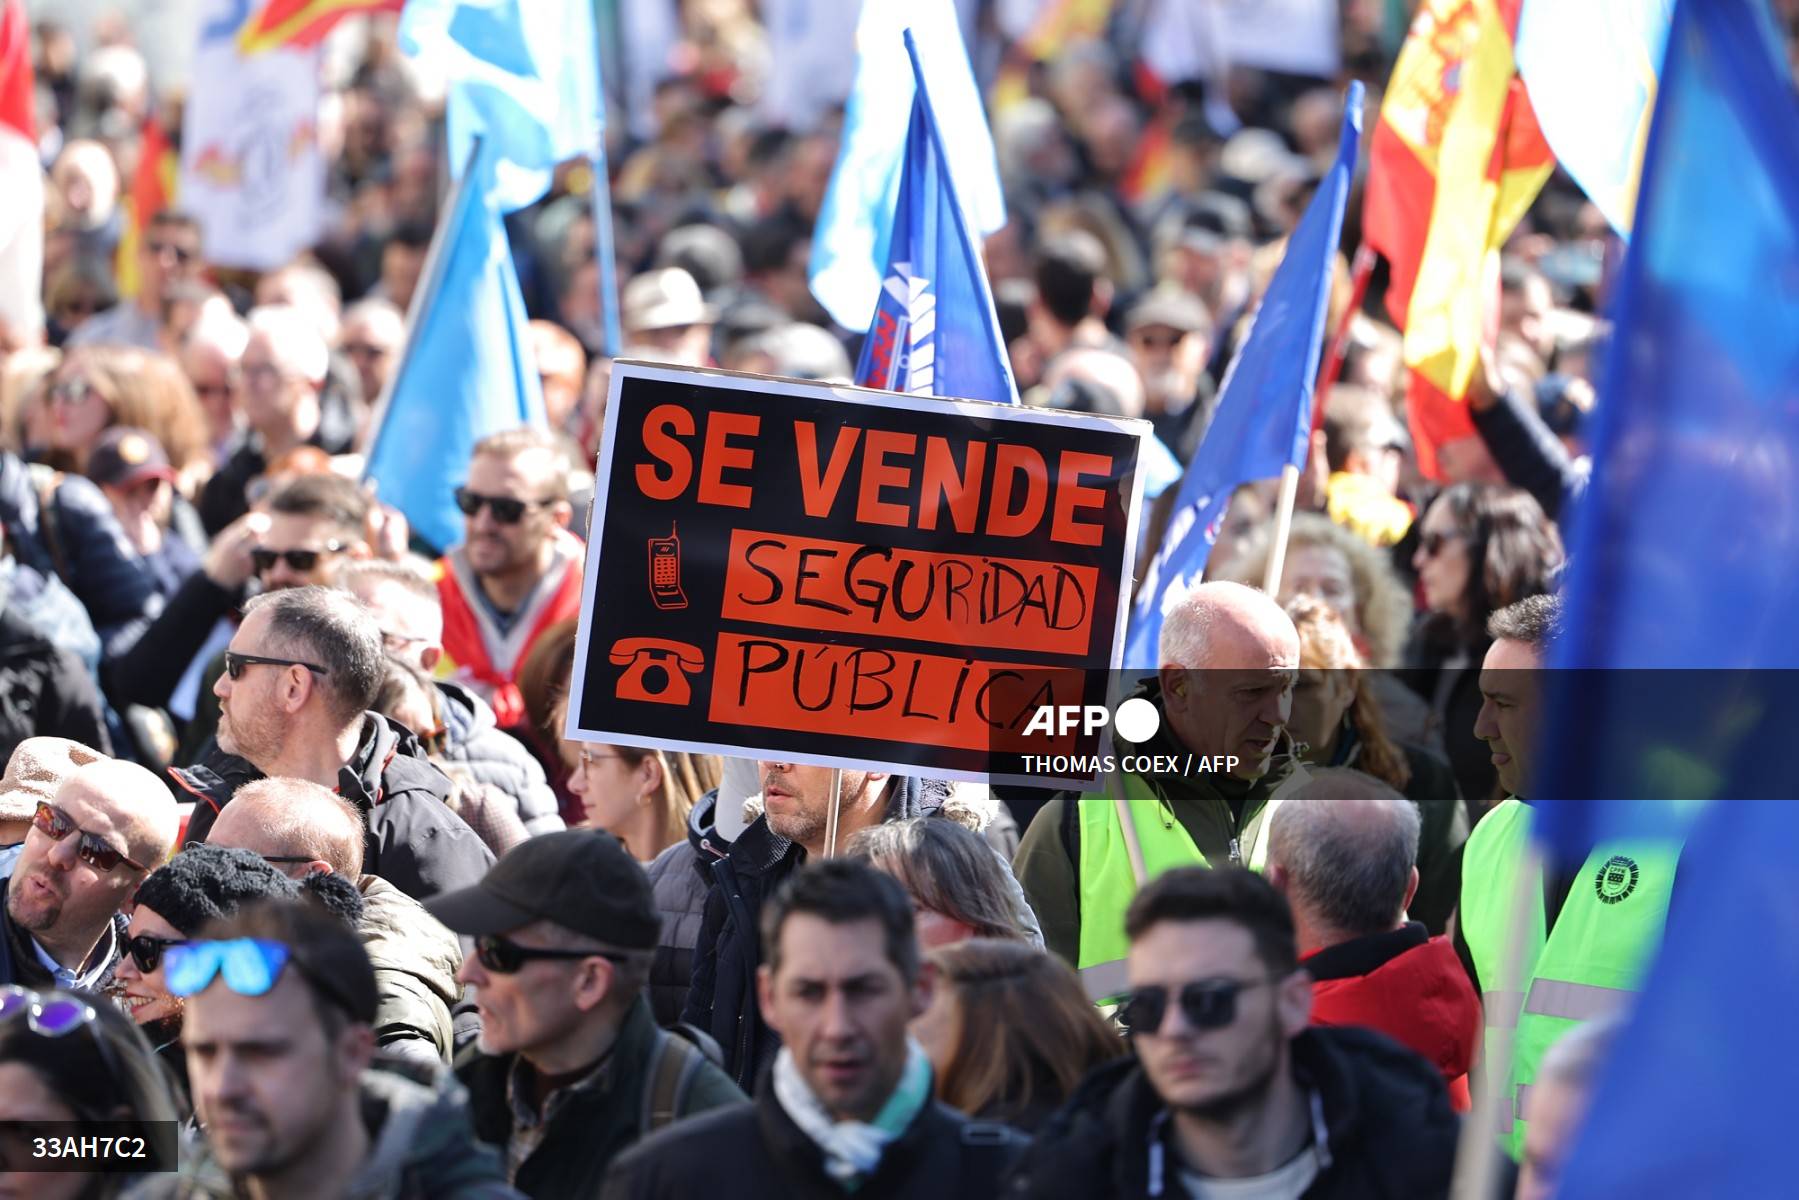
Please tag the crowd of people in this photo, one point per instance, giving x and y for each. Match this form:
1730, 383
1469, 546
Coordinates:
296, 856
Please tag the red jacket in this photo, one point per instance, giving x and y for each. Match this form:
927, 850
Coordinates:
1408, 986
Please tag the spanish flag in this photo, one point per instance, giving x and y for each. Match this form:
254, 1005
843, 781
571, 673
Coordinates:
301, 22
152, 190
1455, 161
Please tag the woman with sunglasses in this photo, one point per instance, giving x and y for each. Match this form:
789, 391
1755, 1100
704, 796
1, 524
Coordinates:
65, 1057
1480, 548
201, 884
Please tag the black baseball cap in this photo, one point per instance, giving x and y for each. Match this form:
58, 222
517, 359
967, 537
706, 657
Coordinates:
581, 879
124, 456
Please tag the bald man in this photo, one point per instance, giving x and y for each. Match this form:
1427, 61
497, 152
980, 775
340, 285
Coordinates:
109, 825
302, 828
1343, 850
1229, 657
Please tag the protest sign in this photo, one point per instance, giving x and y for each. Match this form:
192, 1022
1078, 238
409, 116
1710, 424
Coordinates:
843, 577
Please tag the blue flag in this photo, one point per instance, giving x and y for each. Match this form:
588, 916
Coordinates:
1264, 411
1684, 576
466, 370
935, 331
850, 242
523, 76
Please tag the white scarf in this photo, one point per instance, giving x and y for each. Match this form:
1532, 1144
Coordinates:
853, 1149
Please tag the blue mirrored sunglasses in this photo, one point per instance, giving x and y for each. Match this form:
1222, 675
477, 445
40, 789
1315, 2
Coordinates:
48, 1014
250, 966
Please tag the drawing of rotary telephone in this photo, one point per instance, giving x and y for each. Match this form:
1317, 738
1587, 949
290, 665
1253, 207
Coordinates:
656, 669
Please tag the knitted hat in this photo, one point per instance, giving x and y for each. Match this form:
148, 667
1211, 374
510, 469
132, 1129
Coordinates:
37, 768
205, 883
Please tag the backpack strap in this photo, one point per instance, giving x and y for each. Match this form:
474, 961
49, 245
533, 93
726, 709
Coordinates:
674, 1064
45, 482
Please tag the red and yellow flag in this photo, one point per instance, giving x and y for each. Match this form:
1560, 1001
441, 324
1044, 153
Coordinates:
1455, 162
301, 22
152, 190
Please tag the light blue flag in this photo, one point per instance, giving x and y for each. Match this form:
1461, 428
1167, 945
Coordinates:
466, 370
1684, 572
850, 243
522, 74
935, 332
1264, 414
1590, 69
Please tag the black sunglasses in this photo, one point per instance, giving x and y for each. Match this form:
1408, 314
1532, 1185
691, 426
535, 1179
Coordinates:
1207, 1004
1432, 543
56, 825
182, 254
503, 956
146, 951
235, 663
506, 510
300, 560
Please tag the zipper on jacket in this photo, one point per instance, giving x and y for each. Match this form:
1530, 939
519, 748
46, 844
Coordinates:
1236, 853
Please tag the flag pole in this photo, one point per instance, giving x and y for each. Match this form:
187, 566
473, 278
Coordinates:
613, 339
831, 812
1283, 524
1339, 347
430, 278
1477, 1156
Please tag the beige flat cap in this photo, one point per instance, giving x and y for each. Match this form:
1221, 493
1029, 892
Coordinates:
37, 768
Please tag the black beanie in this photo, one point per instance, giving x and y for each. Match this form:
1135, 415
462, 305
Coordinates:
206, 883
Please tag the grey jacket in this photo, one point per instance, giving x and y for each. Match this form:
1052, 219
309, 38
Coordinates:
415, 960
423, 1149
473, 739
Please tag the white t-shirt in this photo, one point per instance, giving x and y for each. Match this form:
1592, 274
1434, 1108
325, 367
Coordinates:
1283, 1183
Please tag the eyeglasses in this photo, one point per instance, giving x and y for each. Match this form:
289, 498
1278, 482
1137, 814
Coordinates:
284, 859
365, 350
56, 825
73, 391
588, 758
206, 390
181, 254
249, 966
235, 663
1206, 1004
1431, 544
503, 956
51, 1014
146, 951
264, 560
399, 641
506, 510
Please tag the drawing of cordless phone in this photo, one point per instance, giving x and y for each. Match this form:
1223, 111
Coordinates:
665, 571
656, 669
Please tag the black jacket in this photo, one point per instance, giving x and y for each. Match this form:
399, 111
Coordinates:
414, 841
590, 1124
752, 1151
473, 739
223, 501
44, 692
681, 877
1389, 1128
19, 963
147, 670
79, 539
722, 1000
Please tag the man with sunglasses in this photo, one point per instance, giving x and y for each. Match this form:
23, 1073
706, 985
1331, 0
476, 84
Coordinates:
279, 1004
518, 570
1230, 1088
300, 675
110, 824
169, 254
570, 1068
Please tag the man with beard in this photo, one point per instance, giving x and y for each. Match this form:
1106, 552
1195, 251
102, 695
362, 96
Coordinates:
1230, 1090
280, 998
299, 677
518, 571
790, 832
109, 825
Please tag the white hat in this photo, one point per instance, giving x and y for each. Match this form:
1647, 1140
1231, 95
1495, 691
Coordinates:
664, 299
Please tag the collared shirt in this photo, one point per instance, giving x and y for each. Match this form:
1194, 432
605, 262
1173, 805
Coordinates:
529, 1125
98, 964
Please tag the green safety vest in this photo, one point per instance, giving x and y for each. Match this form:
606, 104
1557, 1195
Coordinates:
1107, 883
1588, 967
